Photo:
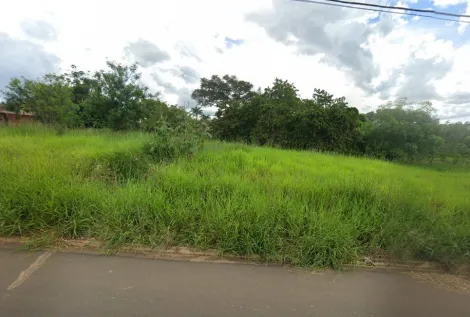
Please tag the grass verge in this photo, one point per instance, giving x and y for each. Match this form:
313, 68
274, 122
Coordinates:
293, 207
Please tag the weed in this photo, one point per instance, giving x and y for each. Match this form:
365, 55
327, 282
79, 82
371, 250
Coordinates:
169, 143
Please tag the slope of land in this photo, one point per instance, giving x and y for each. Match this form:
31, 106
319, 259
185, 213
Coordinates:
287, 206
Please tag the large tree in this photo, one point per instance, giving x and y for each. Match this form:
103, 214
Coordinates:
49, 98
402, 131
222, 92
116, 98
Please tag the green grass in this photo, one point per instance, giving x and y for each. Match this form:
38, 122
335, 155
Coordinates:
287, 206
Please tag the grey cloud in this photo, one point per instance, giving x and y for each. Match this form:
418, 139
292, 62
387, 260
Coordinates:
324, 29
385, 87
40, 30
188, 51
333, 32
190, 74
385, 25
146, 53
184, 94
187, 73
23, 58
218, 50
418, 91
184, 98
456, 107
167, 86
457, 115
459, 98
417, 74
417, 86
455, 112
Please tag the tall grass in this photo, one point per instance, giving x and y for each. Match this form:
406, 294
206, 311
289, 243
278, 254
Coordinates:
287, 206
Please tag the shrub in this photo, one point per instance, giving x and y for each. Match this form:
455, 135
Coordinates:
120, 166
169, 143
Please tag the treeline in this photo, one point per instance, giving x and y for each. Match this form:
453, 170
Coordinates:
276, 116
113, 98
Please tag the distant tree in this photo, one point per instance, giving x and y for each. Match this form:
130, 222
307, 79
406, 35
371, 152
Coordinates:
116, 98
229, 95
157, 111
18, 94
196, 112
81, 83
221, 92
50, 99
279, 102
455, 144
401, 131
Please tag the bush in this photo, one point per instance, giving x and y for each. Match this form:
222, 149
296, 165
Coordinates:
120, 166
169, 143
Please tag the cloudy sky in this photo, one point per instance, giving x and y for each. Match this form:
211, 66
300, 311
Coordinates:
366, 56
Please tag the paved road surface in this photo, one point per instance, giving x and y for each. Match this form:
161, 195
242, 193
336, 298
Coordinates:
77, 285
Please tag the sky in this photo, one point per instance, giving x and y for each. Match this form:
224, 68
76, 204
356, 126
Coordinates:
368, 57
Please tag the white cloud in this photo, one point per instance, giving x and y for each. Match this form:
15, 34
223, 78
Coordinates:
464, 22
447, 3
318, 50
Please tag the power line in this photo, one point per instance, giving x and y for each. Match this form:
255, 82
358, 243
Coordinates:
399, 8
380, 10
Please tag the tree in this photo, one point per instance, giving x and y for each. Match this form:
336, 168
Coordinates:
17, 94
221, 92
455, 142
49, 99
116, 99
278, 104
157, 112
196, 112
402, 131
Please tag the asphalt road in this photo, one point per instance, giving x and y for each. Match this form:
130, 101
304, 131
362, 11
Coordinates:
77, 285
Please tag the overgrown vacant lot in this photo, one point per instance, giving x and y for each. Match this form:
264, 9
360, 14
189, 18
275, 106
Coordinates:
298, 207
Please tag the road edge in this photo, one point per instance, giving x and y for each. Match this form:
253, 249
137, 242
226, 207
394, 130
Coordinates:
84, 246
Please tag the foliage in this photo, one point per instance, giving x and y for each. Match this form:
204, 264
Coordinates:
170, 142
456, 143
403, 132
116, 99
18, 94
278, 117
220, 92
197, 112
49, 99
113, 98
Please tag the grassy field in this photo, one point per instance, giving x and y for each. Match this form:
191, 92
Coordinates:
286, 206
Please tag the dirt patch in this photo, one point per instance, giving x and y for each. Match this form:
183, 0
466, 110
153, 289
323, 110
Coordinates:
449, 282
98, 247
431, 272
